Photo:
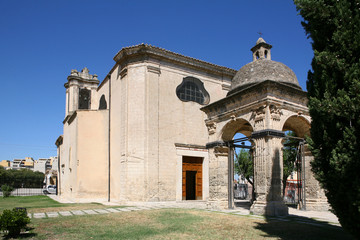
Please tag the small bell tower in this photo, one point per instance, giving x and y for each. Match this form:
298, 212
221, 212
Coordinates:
80, 88
261, 50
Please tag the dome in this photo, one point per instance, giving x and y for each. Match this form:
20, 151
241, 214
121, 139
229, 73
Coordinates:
262, 69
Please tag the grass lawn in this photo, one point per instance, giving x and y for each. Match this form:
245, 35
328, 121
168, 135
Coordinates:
43, 204
175, 224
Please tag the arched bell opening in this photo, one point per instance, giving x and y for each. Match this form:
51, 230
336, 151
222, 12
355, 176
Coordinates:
296, 129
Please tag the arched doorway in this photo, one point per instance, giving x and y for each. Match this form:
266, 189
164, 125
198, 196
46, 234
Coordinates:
295, 170
236, 136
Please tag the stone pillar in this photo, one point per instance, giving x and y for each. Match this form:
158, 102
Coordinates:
218, 174
268, 174
315, 199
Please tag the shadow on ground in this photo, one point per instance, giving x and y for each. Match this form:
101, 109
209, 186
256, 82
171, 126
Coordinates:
295, 227
292, 226
245, 204
23, 235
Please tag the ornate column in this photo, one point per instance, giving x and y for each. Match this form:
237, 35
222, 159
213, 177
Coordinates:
268, 168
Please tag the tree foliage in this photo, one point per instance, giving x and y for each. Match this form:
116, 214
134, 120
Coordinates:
289, 157
13, 221
244, 165
334, 102
21, 178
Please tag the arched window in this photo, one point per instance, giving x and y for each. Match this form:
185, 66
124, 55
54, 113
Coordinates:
192, 89
84, 98
102, 103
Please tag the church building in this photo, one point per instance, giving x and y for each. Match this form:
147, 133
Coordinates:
155, 129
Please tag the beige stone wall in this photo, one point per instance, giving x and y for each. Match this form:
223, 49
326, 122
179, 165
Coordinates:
68, 154
92, 154
83, 163
147, 119
179, 122
103, 90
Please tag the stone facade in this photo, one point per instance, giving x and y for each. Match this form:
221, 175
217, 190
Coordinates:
130, 137
134, 149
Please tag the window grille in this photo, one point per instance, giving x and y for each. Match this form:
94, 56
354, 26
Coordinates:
192, 89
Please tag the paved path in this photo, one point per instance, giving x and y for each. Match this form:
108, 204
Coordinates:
308, 217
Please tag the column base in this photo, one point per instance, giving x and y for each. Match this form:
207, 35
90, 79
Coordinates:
317, 205
272, 208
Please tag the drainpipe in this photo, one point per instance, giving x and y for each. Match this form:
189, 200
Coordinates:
109, 145
304, 174
58, 174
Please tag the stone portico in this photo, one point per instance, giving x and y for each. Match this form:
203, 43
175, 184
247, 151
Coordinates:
264, 100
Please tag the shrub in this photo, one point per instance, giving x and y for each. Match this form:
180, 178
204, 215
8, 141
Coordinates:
14, 220
6, 189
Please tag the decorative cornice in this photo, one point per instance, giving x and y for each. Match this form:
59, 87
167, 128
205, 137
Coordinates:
268, 133
148, 51
123, 73
263, 89
153, 69
59, 141
72, 117
215, 144
82, 76
226, 87
184, 145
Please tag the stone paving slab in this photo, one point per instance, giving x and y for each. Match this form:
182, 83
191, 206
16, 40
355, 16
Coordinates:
242, 213
144, 208
308, 217
78, 212
52, 214
124, 209
65, 213
113, 210
103, 211
39, 215
90, 212
29, 215
133, 208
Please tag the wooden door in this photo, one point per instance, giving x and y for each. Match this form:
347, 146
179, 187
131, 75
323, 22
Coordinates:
192, 171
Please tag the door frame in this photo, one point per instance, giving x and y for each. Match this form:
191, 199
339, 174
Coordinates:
197, 151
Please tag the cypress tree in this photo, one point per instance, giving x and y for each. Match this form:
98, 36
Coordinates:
334, 102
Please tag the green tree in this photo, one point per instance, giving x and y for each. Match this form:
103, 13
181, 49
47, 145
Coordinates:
334, 102
289, 157
244, 165
21, 178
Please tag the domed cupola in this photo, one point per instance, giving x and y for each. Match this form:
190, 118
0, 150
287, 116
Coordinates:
261, 69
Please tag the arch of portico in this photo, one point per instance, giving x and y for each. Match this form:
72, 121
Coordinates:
265, 100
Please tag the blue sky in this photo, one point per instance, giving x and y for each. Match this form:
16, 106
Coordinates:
41, 41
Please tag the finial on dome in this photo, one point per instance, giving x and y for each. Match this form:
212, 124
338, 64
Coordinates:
260, 40
261, 50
